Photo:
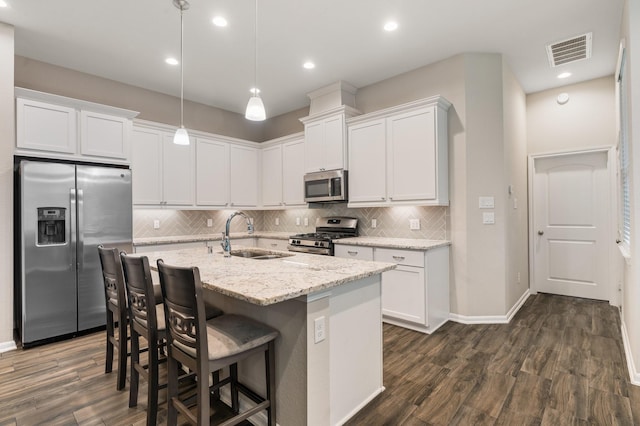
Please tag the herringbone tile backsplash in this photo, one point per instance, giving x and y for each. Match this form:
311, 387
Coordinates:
391, 221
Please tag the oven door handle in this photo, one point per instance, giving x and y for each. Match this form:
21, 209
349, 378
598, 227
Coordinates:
305, 249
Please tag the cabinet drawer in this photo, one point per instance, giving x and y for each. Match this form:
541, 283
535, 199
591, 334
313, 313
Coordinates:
400, 257
354, 252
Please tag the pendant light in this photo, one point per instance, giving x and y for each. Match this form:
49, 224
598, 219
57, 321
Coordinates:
181, 137
255, 107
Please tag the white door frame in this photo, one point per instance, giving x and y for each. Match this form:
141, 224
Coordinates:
612, 249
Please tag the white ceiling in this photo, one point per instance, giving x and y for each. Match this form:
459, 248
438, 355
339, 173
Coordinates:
128, 40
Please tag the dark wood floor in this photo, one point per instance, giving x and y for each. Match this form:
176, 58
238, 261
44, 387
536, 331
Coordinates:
560, 361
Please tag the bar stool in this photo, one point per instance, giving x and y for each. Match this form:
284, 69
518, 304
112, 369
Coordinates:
146, 319
206, 346
116, 304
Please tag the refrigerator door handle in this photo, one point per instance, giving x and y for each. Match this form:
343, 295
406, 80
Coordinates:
72, 226
80, 251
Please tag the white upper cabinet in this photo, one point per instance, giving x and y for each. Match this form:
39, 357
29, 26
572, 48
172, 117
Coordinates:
283, 172
293, 173
58, 127
212, 173
45, 127
162, 172
399, 156
272, 176
325, 139
104, 135
243, 176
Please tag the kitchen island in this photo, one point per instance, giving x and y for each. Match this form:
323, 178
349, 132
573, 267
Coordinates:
328, 312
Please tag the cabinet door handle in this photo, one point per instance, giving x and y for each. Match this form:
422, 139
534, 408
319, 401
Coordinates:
398, 257
352, 253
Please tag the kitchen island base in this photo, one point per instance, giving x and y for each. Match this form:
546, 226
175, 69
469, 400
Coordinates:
328, 355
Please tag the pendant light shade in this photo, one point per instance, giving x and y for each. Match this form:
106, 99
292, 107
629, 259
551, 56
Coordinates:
181, 137
255, 108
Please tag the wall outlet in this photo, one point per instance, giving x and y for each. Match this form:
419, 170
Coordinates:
306, 221
277, 221
414, 224
320, 332
297, 221
374, 223
486, 202
156, 224
488, 218
209, 223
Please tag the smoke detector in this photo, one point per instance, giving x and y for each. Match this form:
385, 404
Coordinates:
569, 50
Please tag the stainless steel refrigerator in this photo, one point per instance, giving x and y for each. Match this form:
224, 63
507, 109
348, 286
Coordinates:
65, 212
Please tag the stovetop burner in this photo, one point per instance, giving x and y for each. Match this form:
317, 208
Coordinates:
327, 229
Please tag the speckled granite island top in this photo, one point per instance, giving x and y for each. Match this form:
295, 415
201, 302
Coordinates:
399, 243
207, 237
265, 282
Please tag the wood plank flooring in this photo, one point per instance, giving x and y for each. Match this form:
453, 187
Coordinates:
559, 362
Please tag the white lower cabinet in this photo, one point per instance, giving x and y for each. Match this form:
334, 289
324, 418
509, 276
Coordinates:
415, 295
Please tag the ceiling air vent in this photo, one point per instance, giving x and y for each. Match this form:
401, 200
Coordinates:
570, 50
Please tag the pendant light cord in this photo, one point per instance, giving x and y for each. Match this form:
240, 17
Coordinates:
181, 67
255, 52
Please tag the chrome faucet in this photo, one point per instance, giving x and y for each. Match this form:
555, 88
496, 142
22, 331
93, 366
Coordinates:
226, 244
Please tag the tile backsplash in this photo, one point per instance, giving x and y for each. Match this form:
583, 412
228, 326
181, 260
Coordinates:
391, 221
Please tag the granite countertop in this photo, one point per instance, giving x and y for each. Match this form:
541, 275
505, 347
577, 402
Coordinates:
400, 243
208, 237
265, 282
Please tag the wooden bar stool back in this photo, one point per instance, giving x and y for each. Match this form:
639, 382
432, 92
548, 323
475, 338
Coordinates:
146, 319
205, 346
117, 315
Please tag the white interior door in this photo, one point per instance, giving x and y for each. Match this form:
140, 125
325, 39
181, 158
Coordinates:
571, 214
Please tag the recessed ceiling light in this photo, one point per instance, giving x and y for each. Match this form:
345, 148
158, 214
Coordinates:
172, 61
309, 65
254, 90
219, 21
564, 75
391, 26
3, 3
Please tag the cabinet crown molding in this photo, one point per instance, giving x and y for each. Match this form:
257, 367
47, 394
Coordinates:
35, 95
344, 109
438, 101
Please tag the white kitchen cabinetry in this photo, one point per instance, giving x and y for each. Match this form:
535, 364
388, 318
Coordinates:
398, 156
283, 172
212, 173
325, 139
272, 176
353, 252
272, 244
243, 176
415, 295
58, 127
162, 172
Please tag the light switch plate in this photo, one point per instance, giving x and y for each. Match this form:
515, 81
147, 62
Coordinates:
487, 202
488, 218
156, 224
209, 223
277, 221
306, 221
374, 223
298, 221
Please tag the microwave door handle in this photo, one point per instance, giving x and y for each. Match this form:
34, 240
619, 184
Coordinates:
329, 187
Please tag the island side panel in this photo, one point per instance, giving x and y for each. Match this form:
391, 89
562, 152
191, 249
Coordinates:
356, 347
318, 360
289, 318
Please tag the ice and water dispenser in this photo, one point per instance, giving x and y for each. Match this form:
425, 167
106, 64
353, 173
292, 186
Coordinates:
51, 226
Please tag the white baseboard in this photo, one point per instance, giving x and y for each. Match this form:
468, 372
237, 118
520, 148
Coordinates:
634, 374
361, 406
8, 346
492, 319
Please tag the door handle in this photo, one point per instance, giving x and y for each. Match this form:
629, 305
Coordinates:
540, 232
80, 230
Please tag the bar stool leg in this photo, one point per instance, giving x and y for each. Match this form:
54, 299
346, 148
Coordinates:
108, 365
233, 372
135, 376
270, 369
152, 392
122, 352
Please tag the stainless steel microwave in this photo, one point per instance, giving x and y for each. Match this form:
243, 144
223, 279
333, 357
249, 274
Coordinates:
325, 187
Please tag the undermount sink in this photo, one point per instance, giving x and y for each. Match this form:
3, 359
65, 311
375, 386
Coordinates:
259, 254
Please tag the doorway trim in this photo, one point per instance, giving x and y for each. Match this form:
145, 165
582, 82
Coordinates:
615, 275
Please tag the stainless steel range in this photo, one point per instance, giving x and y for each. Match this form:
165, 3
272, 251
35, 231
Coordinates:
327, 229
